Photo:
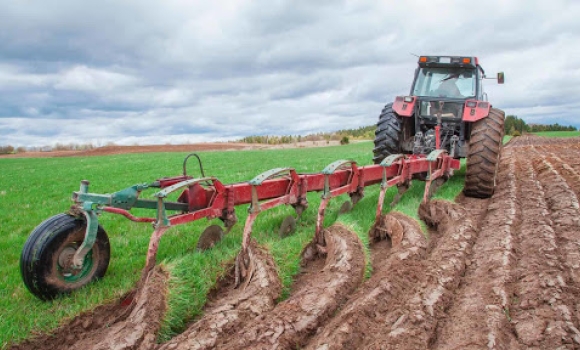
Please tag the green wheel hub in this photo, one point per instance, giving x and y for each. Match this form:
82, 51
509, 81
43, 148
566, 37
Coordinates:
67, 271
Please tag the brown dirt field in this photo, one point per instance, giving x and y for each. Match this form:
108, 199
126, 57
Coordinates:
521, 288
392, 278
228, 308
108, 150
501, 273
194, 147
292, 321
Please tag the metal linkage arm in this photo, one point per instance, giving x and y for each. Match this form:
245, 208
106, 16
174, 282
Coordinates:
402, 178
291, 196
214, 208
441, 167
124, 199
351, 186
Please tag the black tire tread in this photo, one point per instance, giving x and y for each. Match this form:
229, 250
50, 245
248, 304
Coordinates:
36, 248
484, 150
387, 134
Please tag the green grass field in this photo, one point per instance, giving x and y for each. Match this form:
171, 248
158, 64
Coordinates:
32, 190
558, 133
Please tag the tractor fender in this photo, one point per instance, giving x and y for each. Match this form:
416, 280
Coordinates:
404, 106
475, 110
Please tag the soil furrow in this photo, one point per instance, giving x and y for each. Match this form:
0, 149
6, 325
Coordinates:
565, 170
415, 328
114, 326
502, 273
230, 308
365, 313
565, 215
477, 318
292, 321
537, 312
402, 304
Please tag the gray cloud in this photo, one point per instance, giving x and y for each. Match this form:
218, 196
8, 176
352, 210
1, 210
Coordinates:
155, 72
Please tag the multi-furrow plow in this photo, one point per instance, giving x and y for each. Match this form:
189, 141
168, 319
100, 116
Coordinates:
423, 135
70, 250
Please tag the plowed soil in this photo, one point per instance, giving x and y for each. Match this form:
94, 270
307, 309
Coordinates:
108, 150
193, 147
501, 273
131, 323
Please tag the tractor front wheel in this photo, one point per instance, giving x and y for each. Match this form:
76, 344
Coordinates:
46, 261
483, 157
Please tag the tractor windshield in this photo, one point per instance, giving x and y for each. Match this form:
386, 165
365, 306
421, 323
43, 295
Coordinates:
445, 82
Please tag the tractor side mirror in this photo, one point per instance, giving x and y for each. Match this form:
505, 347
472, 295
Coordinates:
500, 78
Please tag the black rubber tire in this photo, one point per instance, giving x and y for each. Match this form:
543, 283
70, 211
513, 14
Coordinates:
387, 135
483, 157
39, 262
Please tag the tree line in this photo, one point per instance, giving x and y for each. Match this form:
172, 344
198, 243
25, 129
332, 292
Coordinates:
8, 149
343, 135
516, 126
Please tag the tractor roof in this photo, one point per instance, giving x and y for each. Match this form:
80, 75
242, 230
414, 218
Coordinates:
448, 61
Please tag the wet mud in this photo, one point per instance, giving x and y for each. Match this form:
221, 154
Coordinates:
130, 323
294, 320
230, 308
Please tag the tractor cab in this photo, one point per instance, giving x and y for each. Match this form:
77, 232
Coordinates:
448, 79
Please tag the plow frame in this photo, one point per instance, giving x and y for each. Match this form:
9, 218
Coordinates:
209, 198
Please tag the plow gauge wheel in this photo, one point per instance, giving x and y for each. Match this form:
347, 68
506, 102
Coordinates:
288, 227
46, 263
345, 207
210, 236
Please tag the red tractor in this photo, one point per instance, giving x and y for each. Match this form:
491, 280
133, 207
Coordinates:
446, 109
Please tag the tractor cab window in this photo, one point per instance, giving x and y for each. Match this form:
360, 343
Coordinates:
445, 82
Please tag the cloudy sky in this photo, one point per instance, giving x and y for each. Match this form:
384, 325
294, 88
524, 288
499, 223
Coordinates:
147, 72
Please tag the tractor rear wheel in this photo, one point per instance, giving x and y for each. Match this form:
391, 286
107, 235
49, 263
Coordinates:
46, 260
483, 157
387, 135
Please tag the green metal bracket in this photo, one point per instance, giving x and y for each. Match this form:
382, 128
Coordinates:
391, 159
90, 235
258, 180
434, 155
332, 167
329, 170
124, 199
387, 162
